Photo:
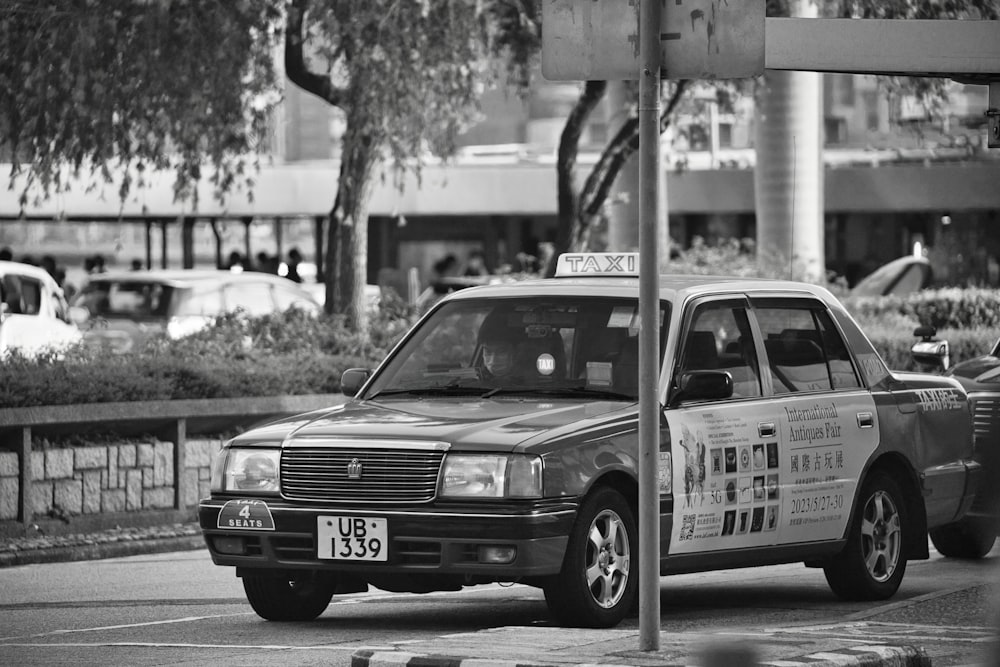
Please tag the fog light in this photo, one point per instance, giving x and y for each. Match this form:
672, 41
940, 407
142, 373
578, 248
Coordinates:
497, 555
230, 545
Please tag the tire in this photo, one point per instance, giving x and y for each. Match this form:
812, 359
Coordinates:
873, 562
289, 597
598, 584
968, 538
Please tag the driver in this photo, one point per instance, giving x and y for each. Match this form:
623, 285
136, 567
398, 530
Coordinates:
498, 353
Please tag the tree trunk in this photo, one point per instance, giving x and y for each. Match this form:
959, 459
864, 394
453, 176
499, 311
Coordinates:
347, 236
788, 179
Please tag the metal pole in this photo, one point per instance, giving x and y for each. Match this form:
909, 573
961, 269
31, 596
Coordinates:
649, 331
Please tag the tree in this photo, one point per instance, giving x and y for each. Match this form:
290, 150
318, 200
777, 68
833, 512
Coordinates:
579, 209
789, 172
406, 74
111, 91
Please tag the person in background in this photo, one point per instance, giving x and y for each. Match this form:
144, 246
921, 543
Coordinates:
475, 265
294, 259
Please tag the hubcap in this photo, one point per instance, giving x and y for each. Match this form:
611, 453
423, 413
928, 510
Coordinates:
607, 559
881, 536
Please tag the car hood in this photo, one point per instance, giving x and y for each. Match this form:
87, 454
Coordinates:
467, 424
979, 373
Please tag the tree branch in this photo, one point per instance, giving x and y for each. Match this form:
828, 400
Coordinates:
295, 64
620, 149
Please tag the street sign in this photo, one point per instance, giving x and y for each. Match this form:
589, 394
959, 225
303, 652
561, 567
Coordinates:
699, 39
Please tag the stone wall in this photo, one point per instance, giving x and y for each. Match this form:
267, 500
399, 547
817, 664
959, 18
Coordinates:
113, 478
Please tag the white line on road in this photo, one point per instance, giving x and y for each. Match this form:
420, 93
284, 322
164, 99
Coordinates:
269, 647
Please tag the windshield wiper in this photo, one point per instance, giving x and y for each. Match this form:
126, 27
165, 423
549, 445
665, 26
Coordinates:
562, 391
443, 390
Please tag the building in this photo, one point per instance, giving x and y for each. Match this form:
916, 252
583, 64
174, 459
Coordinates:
893, 180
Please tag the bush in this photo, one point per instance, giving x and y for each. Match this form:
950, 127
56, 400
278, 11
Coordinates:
949, 308
275, 355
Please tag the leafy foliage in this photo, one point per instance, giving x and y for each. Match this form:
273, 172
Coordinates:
274, 355
114, 90
949, 308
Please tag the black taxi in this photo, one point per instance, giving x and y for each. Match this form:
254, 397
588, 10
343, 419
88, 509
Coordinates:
498, 442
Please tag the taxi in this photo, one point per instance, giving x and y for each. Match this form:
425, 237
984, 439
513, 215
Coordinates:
498, 442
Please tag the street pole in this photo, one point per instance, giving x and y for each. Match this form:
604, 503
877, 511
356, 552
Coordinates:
649, 327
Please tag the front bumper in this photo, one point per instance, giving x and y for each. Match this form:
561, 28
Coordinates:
420, 540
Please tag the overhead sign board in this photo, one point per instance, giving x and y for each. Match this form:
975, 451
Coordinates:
699, 39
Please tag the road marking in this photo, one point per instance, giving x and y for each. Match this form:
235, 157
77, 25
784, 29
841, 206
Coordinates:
186, 619
268, 647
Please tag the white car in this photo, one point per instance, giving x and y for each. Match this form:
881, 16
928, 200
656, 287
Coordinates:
33, 312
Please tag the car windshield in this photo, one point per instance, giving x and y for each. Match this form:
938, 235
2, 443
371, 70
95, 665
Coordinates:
131, 299
566, 346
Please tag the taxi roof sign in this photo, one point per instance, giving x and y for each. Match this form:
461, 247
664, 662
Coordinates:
576, 264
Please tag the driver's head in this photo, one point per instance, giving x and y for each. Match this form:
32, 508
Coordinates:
498, 352
498, 340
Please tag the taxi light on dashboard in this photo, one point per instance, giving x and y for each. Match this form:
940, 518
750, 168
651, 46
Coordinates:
491, 476
577, 264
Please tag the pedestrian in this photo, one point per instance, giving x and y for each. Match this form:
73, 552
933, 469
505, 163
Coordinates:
475, 265
294, 259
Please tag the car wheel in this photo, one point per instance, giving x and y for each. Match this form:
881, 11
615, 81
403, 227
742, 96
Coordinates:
597, 586
289, 597
968, 538
872, 564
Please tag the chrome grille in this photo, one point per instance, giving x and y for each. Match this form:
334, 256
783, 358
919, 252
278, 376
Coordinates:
985, 419
400, 476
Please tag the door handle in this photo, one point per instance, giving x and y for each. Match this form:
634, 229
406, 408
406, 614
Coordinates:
766, 429
866, 420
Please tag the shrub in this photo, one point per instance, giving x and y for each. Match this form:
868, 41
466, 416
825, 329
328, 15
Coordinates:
275, 355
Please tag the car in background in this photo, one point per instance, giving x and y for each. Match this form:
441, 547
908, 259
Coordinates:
902, 276
120, 309
975, 535
34, 315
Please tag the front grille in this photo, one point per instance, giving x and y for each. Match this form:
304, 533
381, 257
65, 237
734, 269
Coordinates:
398, 476
985, 420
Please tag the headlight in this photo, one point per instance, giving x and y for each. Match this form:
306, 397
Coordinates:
251, 471
491, 476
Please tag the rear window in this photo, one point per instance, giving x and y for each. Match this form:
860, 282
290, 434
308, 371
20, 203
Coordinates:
132, 299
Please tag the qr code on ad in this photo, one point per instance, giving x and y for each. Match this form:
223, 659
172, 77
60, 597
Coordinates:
687, 527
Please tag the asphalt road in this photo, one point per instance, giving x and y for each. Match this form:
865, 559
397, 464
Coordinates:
179, 609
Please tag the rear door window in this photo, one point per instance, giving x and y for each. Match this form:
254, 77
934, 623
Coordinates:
805, 351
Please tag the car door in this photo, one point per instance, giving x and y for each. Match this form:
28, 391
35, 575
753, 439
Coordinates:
33, 317
779, 461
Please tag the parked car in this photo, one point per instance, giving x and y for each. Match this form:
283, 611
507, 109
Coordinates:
498, 442
902, 276
33, 311
120, 309
975, 535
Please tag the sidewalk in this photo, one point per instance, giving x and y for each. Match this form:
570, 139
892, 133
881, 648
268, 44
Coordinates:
565, 647
861, 642
103, 544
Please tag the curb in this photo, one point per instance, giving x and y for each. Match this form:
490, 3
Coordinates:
867, 656
97, 551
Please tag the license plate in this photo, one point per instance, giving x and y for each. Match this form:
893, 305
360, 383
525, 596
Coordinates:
355, 538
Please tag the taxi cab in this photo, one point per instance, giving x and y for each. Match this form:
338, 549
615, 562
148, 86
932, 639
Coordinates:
498, 442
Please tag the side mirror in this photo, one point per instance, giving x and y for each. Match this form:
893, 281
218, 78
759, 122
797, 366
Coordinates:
930, 353
353, 379
704, 385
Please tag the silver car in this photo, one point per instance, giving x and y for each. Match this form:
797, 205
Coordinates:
120, 309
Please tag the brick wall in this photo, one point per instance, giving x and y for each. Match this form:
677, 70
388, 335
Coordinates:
113, 478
